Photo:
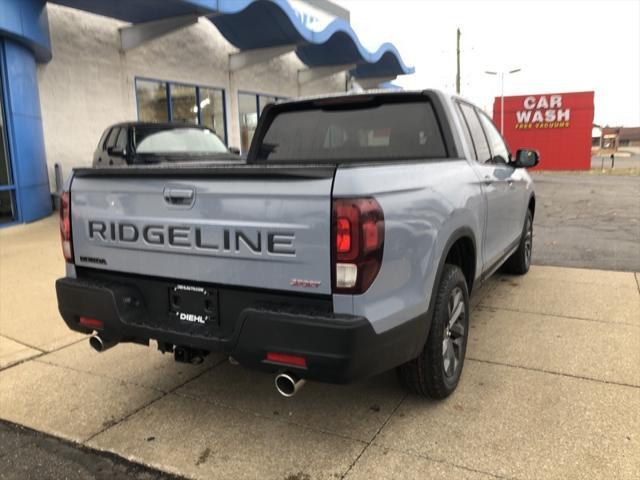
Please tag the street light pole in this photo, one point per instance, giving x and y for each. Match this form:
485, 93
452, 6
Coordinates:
458, 63
501, 103
502, 94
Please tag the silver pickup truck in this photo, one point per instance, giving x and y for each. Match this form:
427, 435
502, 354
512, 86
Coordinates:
346, 246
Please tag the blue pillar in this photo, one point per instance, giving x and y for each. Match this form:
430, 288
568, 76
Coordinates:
26, 138
24, 40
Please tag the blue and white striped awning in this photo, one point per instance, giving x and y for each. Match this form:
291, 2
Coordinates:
252, 24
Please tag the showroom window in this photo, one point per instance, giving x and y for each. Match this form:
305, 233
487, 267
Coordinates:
250, 106
183, 104
152, 101
160, 101
264, 100
212, 110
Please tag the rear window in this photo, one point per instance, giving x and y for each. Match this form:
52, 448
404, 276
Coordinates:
178, 140
353, 132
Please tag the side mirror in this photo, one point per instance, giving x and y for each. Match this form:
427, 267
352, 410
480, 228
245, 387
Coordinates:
234, 150
526, 159
116, 152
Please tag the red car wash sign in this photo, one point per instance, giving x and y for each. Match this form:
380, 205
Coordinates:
558, 125
544, 111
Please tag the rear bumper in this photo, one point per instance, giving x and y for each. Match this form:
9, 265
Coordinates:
338, 348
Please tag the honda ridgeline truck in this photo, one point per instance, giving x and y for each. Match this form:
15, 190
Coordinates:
347, 245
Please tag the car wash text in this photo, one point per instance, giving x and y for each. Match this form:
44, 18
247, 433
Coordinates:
542, 112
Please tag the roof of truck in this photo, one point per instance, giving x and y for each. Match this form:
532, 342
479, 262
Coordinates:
375, 92
158, 125
366, 93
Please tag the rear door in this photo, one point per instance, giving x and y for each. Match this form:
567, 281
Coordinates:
493, 178
251, 227
514, 186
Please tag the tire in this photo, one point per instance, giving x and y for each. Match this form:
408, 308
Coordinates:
433, 373
520, 261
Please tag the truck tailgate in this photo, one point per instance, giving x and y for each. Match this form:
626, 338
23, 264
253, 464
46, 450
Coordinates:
252, 227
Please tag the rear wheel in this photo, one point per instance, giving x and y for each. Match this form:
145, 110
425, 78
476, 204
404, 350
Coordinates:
436, 371
520, 261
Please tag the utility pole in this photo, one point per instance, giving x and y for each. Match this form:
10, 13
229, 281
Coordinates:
458, 62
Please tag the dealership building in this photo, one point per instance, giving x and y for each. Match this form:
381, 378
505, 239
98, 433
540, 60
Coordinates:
70, 68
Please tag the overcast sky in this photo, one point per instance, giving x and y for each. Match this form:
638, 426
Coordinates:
561, 46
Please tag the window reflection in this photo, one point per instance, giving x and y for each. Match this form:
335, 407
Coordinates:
212, 111
152, 101
189, 104
248, 110
250, 107
265, 100
183, 104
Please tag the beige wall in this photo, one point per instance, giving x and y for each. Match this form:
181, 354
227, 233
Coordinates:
89, 84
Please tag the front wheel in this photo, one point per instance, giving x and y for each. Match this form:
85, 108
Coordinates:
436, 371
520, 261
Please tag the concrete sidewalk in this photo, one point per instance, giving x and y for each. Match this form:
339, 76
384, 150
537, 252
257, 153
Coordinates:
551, 389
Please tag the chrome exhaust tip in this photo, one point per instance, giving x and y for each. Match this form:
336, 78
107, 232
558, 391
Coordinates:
288, 384
100, 344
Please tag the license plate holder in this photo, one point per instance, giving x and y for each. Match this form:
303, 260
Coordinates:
194, 305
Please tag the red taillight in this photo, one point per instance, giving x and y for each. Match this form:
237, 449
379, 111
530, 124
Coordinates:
358, 225
65, 226
343, 235
285, 359
91, 323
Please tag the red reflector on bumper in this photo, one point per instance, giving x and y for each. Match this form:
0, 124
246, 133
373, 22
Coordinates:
285, 359
91, 322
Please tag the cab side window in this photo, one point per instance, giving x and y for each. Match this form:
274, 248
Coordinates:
483, 153
499, 151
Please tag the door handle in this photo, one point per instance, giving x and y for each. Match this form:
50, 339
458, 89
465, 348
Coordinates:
179, 196
487, 180
178, 193
510, 182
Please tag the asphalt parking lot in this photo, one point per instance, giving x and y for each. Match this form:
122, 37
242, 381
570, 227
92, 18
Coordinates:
551, 387
587, 220
25, 454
